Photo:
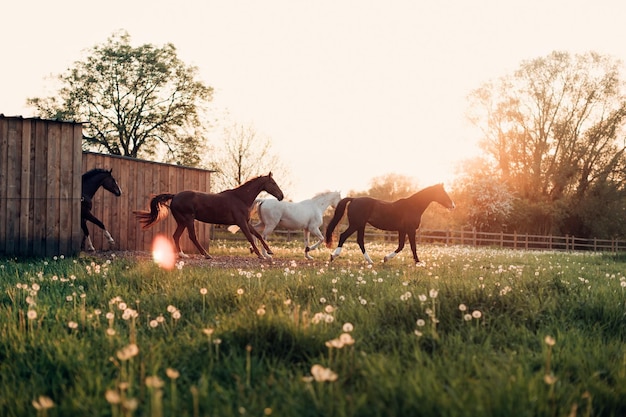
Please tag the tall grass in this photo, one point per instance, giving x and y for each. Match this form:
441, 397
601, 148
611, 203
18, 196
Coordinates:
472, 332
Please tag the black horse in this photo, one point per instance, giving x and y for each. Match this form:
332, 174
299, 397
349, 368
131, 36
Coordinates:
403, 216
92, 181
230, 207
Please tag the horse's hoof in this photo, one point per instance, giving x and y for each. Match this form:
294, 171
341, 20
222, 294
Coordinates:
183, 255
332, 258
269, 252
309, 257
207, 256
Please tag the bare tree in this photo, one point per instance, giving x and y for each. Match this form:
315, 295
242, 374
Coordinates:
243, 154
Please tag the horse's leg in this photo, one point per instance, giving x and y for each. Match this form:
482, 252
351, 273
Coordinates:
97, 222
360, 239
180, 228
191, 231
413, 246
342, 238
267, 230
86, 245
320, 238
249, 232
401, 240
264, 245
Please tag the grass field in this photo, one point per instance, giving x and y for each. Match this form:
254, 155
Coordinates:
471, 332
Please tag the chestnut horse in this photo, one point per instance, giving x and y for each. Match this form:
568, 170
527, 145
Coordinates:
403, 216
228, 207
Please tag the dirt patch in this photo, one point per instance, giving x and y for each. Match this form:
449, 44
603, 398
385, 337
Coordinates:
217, 261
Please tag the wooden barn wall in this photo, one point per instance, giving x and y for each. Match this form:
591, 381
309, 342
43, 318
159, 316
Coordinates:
40, 184
139, 181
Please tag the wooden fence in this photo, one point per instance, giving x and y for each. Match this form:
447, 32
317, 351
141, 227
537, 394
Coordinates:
139, 181
41, 165
475, 238
39, 188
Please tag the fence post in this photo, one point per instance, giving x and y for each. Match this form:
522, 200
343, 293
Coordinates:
474, 238
515, 239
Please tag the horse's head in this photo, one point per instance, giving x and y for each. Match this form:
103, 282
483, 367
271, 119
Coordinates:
110, 184
272, 188
335, 198
441, 196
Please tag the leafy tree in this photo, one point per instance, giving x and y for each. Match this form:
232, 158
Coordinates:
390, 187
485, 201
554, 129
134, 101
243, 155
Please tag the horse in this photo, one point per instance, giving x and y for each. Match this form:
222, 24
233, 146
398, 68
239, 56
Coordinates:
91, 182
306, 215
403, 216
227, 207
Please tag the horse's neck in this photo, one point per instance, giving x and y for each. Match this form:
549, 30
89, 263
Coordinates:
91, 185
421, 200
249, 191
322, 201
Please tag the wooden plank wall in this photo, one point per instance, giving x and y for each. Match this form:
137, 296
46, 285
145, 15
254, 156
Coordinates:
140, 180
39, 187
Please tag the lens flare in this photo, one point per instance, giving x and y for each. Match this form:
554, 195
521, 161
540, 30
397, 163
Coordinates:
163, 252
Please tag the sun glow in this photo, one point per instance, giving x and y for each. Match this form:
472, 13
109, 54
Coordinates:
163, 252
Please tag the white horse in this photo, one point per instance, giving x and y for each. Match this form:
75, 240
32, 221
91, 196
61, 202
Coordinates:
306, 215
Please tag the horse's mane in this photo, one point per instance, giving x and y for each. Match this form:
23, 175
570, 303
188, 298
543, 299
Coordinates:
95, 171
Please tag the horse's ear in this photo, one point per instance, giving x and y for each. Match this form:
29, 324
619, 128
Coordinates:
270, 174
110, 170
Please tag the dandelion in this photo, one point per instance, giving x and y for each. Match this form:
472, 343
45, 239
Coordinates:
321, 374
42, 403
110, 332
462, 307
172, 373
112, 396
154, 382
203, 291
208, 331
346, 339
260, 311
128, 352
433, 293
549, 340
549, 379
467, 317
32, 314
176, 315
477, 314
347, 327
153, 323
72, 325
240, 291
422, 297
420, 323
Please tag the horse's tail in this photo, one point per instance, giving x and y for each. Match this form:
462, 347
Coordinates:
341, 208
155, 215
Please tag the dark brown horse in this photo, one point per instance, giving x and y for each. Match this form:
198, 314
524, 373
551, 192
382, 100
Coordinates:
228, 207
91, 182
403, 216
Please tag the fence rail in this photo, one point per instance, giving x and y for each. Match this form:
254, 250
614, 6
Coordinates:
486, 239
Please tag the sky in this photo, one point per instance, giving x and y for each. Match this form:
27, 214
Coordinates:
345, 91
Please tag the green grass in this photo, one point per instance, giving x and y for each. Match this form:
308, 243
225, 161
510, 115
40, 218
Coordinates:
121, 337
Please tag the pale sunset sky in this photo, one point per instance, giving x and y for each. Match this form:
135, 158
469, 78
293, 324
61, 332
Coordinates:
345, 90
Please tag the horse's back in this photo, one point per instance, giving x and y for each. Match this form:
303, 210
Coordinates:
220, 208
